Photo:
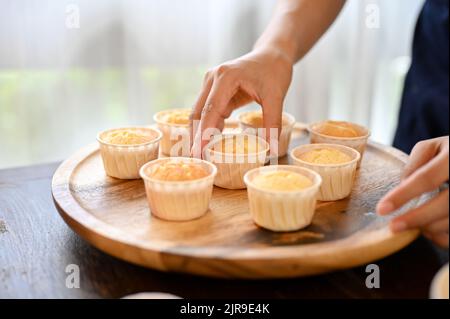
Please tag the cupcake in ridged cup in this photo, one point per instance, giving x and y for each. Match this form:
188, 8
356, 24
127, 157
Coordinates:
234, 155
174, 124
125, 150
250, 122
282, 197
336, 164
178, 188
340, 132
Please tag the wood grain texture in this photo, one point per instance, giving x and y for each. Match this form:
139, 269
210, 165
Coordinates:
113, 215
37, 245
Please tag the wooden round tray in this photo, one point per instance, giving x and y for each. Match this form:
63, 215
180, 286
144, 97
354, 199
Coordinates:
113, 215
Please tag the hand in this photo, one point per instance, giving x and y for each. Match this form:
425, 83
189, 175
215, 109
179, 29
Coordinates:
426, 170
262, 76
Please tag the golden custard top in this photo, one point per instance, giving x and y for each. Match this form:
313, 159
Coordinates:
255, 119
178, 117
238, 144
128, 136
338, 129
282, 181
325, 156
176, 171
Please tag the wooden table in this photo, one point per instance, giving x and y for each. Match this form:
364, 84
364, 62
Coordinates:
36, 246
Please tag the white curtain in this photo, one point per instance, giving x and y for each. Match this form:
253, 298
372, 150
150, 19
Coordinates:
71, 68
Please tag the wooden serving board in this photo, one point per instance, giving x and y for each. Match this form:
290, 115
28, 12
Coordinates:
113, 215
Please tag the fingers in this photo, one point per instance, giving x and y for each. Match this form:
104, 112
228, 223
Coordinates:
420, 155
433, 210
272, 118
440, 239
438, 232
199, 103
214, 113
437, 226
425, 179
217, 109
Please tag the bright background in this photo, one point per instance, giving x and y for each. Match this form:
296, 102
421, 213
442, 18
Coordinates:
60, 85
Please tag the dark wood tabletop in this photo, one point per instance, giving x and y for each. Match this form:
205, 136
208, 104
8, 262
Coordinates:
36, 246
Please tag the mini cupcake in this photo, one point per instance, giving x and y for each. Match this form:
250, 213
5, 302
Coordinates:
234, 155
439, 286
336, 164
125, 150
178, 188
251, 121
282, 197
342, 133
174, 124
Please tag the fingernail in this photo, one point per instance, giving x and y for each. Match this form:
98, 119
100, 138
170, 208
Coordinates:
398, 226
384, 208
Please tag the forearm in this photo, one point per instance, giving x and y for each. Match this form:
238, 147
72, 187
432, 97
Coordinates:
297, 25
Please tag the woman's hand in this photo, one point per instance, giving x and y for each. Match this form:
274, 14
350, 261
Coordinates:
262, 76
426, 170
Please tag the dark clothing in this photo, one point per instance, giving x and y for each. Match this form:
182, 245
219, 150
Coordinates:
424, 111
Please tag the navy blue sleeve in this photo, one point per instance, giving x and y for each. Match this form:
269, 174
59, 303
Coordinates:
424, 111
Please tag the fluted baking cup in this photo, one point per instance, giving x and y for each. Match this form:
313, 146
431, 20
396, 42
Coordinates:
125, 161
358, 143
178, 200
285, 133
337, 179
176, 137
231, 167
282, 210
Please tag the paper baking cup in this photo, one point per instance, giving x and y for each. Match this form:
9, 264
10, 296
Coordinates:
439, 285
231, 168
176, 137
178, 200
282, 210
358, 143
337, 179
285, 134
124, 161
